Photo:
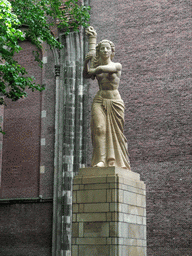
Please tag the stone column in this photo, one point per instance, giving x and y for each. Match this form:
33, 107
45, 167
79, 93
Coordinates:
69, 110
109, 213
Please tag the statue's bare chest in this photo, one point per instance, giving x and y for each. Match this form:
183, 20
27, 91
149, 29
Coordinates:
110, 77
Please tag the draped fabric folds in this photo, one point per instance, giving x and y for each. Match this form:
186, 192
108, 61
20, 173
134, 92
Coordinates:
110, 113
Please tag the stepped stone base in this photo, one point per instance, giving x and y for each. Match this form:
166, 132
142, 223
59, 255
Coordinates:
109, 213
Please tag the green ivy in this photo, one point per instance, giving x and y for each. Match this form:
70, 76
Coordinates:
36, 17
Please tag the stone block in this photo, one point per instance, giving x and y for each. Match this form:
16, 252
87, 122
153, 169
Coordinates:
81, 229
109, 216
96, 229
136, 231
113, 185
109, 171
74, 250
109, 196
120, 179
75, 208
130, 198
73, 241
129, 182
124, 208
140, 191
92, 180
91, 196
113, 250
115, 216
141, 185
81, 207
77, 180
145, 234
114, 195
96, 250
114, 207
117, 240
91, 217
131, 241
129, 218
139, 220
123, 229
75, 230
141, 201
108, 213
74, 199
136, 250
75, 187
97, 186
74, 217
141, 211
133, 231
121, 216
113, 229
81, 187
132, 189
93, 240
133, 210
109, 240
120, 196
139, 242
100, 207
112, 178
124, 251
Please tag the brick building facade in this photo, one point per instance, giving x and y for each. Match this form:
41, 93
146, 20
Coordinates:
49, 131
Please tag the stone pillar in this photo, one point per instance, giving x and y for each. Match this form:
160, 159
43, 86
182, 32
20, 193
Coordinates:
69, 131
109, 213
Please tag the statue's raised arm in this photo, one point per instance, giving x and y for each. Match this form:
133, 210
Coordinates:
107, 119
92, 39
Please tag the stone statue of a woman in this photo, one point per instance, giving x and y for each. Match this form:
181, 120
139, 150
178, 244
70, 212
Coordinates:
107, 121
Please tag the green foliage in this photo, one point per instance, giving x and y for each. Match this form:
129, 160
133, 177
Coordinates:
37, 18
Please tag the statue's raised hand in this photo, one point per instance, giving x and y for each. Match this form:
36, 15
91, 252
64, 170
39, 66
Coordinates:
90, 31
89, 56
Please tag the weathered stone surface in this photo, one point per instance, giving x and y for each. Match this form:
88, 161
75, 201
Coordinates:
109, 216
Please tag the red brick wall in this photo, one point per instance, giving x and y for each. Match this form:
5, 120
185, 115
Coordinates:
26, 229
153, 44
21, 143
26, 224
25, 126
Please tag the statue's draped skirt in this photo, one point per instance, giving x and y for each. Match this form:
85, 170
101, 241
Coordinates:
111, 114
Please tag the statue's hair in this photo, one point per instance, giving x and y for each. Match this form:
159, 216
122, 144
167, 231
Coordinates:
96, 61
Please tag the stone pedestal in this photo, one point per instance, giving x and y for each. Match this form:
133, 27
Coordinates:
109, 213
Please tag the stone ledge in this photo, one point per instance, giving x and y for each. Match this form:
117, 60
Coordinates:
107, 171
25, 200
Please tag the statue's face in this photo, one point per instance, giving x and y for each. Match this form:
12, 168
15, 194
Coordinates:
105, 50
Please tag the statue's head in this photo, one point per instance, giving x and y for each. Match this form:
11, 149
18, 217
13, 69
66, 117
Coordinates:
104, 42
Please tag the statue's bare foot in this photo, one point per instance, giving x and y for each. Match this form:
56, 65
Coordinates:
111, 162
100, 164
